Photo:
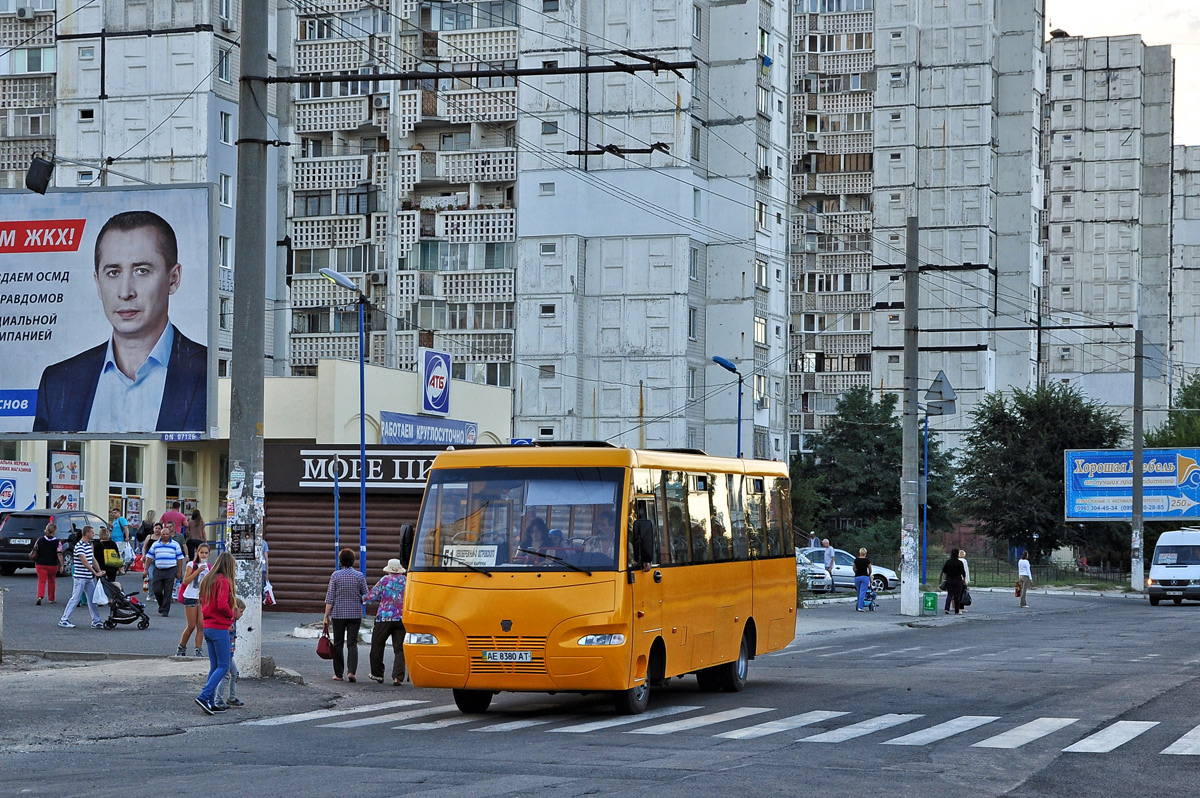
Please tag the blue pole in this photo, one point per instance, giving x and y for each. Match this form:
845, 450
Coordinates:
362, 440
925, 506
337, 537
739, 424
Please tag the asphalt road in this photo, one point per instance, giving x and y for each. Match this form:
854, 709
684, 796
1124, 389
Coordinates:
1075, 696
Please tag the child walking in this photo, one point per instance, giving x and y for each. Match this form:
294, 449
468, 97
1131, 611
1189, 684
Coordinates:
228, 685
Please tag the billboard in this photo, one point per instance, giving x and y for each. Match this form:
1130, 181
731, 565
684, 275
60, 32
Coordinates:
17, 485
109, 334
402, 429
1099, 484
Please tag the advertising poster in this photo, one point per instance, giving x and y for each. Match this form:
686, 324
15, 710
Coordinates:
1099, 484
16, 485
105, 311
64, 480
133, 509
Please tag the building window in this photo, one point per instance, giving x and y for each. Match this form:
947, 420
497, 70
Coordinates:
225, 320
697, 22
181, 480
549, 128
895, 156
893, 358
693, 264
226, 185
1067, 108
226, 127
760, 330
32, 59
548, 248
547, 310
760, 273
87, 114
549, 5
225, 251
760, 215
124, 473
87, 53
84, 177
223, 65
222, 368
764, 101
691, 386
546, 433
696, 143
546, 372
693, 323
695, 203
1068, 78
546, 189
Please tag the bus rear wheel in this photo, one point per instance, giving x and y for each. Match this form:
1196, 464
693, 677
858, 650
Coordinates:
732, 676
632, 701
473, 702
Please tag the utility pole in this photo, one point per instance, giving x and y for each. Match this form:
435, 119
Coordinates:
910, 598
249, 329
1136, 572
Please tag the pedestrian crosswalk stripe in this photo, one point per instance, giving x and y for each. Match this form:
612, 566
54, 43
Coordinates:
1026, 733
943, 730
391, 717
624, 720
1115, 735
319, 714
847, 651
513, 725
433, 725
1187, 744
860, 729
673, 726
776, 726
897, 651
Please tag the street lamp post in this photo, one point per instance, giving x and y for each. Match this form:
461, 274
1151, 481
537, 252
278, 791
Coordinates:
345, 282
729, 366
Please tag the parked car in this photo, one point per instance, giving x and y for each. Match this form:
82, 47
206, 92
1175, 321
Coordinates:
20, 529
843, 569
818, 578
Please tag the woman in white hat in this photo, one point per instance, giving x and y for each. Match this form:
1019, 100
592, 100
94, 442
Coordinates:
389, 592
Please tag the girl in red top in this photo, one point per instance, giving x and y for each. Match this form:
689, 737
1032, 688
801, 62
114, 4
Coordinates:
217, 602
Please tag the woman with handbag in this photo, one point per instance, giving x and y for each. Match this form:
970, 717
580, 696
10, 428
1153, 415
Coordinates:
343, 605
954, 577
189, 597
47, 560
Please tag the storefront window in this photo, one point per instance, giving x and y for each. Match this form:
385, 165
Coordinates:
65, 475
8, 450
181, 479
125, 481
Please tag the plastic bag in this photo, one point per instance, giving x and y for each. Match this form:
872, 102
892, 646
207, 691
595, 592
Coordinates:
99, 596
268, 594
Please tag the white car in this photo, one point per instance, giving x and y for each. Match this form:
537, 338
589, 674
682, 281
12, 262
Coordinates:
818, 578
843, 569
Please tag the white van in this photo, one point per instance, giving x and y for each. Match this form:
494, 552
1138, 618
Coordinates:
1175, 567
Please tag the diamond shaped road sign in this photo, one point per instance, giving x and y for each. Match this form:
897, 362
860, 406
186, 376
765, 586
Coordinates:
940, 398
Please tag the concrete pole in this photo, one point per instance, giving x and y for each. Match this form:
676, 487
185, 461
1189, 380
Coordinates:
910, 592
1136, 573
250, 298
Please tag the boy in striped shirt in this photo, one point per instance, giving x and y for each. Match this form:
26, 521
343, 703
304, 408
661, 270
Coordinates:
85, 571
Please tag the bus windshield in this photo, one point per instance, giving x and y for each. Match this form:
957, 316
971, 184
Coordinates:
1176, 555
519, 518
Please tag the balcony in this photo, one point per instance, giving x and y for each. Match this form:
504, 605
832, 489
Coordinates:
479, 105
314, 291
323, 174
15, 154
407, 161
477, 226
473, 346
26, 92
328, 115
845, 222
491, 285
406, 230
322, 232
332, 55
478, 44
308, 348
478, 166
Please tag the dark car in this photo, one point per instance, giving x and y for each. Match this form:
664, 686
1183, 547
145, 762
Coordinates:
20, 529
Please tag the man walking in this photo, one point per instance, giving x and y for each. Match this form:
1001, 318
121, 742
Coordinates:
177, 518
168, 566
119, 530
829, 564
85, 571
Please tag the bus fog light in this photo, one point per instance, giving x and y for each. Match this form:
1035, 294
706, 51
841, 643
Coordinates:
602, 640
420, 639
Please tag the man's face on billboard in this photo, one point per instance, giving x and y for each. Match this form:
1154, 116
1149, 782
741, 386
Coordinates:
135, 283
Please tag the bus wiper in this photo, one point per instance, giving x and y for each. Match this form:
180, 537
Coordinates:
466, 564
558, 560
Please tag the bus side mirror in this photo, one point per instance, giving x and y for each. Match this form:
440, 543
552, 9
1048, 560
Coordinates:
629, 576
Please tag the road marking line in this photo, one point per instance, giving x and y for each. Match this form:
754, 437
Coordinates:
776, 726
1034, 730
436, 724
623, 720
948, 651
860, 729
897, 651
376, 720
1187, 744
847, 651
701, 720
1114, 736
283, 720
513, 725
943, 730
792, 648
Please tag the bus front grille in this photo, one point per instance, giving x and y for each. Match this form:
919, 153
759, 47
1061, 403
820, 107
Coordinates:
536, 646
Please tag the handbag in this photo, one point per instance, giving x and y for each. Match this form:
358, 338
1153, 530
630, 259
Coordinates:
99, 596
113, 559
324, 644
966, 598
942, 585
1017, 591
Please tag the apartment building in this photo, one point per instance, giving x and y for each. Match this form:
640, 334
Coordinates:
27, 86
1185, 265
832, 175
1109, 216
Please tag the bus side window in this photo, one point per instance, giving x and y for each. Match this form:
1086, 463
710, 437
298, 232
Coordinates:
677, 526
722, 541
737, 517
783, 496
698, 520
778, 535
753, 494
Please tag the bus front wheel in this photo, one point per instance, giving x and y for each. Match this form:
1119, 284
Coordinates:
632, 701
473, 702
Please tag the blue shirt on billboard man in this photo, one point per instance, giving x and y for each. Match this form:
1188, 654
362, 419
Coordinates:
147, 376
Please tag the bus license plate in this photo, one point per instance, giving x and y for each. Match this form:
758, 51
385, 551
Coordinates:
19, 541
508, 656
1174, 592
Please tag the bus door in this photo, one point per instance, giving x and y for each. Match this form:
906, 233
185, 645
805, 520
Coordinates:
647, 585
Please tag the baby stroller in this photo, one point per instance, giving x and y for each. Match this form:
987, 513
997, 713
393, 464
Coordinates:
123, 608
869, 600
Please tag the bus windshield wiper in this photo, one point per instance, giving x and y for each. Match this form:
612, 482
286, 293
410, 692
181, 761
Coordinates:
558, 560
466, 564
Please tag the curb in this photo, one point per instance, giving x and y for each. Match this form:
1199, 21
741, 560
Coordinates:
268, 669
306, 633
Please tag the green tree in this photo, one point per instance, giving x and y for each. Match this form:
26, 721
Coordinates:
1182, 427
1011, 470
853, 474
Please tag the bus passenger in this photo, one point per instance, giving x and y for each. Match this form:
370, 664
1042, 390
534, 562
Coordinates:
677, 532
700, 550
535, 539
600, 546
643, 545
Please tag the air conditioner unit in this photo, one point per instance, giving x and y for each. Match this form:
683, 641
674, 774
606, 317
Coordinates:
25, 13
380, 101
763, 402
1064, 352
379, 278
227, 24
810, 137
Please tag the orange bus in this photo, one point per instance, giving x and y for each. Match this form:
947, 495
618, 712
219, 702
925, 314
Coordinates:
585, 568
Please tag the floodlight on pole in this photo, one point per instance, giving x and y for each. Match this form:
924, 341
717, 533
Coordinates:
37, 176
728, 365
342, 280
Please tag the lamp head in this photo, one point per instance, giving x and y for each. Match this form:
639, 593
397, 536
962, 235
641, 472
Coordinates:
725, 364
340, 279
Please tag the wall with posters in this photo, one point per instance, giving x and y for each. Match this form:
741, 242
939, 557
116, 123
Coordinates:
93, 328
17, 485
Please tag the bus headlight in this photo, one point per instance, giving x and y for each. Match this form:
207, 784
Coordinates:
602, 640
419, 639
